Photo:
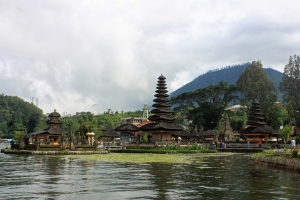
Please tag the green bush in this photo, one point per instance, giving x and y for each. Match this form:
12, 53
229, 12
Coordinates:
267, 147
144, 138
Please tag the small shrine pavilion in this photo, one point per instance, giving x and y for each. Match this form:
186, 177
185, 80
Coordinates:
183, 136
197, 135
53, 134
162, 127
209, 135
257, 129
128, 132
109, 134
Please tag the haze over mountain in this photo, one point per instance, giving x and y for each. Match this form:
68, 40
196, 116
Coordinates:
228, 74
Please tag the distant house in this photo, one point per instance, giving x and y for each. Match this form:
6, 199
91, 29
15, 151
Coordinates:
133, 120
235, 107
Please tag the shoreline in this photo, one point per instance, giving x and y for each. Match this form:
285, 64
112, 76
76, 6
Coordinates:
277, 161
28, 152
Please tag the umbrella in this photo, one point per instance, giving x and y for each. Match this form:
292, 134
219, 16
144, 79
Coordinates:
90, 134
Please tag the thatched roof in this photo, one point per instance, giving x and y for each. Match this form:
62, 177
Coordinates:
182, 133
109, 133
161, 118
196, 133
255, 115
51, 121
167, 111
263, 129
163, 126
127, 128
49, 131
38, 133
54, 114
209, 133
275, 134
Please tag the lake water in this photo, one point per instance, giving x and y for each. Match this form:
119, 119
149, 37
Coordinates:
212, 177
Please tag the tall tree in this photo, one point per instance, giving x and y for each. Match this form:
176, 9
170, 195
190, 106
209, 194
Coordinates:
205, 105
254, 84
278, 116
290, 86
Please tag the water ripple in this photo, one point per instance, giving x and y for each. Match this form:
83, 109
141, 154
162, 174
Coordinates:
216, 177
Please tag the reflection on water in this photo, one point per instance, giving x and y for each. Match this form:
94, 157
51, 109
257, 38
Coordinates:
222, 177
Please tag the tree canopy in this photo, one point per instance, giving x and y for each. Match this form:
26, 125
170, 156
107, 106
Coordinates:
290, 86
206, 105
18, 115
83, 122
254, 84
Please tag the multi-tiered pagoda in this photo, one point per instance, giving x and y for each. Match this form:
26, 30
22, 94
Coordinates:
257, 129
53, 134
255, 115
162, 127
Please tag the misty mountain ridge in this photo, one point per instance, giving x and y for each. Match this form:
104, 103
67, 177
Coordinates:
229, 74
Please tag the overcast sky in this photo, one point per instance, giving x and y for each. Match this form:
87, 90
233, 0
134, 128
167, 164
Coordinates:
97, 55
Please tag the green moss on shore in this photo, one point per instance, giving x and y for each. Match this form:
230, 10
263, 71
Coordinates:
286, 160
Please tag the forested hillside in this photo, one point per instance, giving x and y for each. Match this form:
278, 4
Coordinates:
18, 115
228, 74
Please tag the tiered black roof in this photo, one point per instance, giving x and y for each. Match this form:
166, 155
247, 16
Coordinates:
53, 123
255, 116
53, 118
256, 122
162, 114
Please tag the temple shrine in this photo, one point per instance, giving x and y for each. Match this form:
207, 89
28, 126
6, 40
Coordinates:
162, 127
257, 129
52, 137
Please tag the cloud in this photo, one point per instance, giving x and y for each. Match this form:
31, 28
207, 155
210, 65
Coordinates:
97, 55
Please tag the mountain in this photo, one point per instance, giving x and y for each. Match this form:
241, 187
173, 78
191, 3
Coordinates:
228, 74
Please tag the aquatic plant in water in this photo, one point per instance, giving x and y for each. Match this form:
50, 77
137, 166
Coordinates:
147, 158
